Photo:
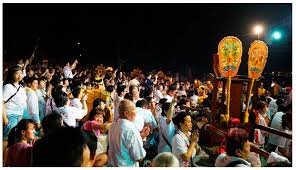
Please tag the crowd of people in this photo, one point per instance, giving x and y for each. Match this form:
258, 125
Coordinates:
72, 115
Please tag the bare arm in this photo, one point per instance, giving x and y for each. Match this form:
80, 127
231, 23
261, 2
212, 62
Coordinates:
73, 66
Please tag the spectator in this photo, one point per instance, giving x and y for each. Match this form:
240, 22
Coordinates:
65, 147
125, 142
184, 144
51, 122
20, 143
237, 149
165, 159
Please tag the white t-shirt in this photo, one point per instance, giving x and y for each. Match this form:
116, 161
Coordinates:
33, 107
276, 123
223, 160
158, 95
125, 144
71, 114
75, 102
117, 101
272, 106
168, 131
67, 72
18, 103
286, 144
148, 116
180, 145
259, 137
194, 98
168, 97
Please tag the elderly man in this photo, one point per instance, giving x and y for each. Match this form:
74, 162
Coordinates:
125, 141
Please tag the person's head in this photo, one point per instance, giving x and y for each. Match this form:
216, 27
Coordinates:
128, 96
134, 90
42, 83
65, 147
77, 92
201, 91
165, 159
31, 72
14, 74
172, 90
142, 104
110, 89
127, 110
99, 103
159, 87
261, 107
51, 122
183, 121
97, 114
33, 83
24, 130
61, 99
121, 90
66, 82
237, 143
165, 108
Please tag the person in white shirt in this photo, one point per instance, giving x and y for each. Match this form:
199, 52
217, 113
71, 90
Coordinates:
144, 116
121, 91
158, 93
171, 93
125, 141
42, 97
70, 115
78, 95
195, 96
14, 98
166, 127
134, 91
184, 144
32, 101
68, 69
259, 136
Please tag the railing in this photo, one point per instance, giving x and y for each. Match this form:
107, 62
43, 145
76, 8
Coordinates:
274, 131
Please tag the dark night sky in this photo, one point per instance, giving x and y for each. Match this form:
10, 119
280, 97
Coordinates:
170, 36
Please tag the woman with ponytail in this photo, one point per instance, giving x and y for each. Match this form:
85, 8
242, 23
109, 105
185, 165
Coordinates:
20, 145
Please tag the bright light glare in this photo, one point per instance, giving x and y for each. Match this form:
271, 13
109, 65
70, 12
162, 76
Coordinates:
258, 29
276, 35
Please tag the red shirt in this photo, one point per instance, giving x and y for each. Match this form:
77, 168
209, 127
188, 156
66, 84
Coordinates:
19, 154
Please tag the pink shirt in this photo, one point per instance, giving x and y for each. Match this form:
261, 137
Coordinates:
19, 154
89, 126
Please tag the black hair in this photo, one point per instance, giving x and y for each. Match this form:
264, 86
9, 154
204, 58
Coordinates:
97, 102
51, 122
110, 88
76, 91
148, 91
165, 108
235, 139
10, 73
91, 141
94, 112
15, 133
120, 89
30, 80
172, 87
180, 118
62, 148
142, 103
163, 100
128, 96
61, 99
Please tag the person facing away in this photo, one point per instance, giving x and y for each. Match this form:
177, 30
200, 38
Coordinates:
125, 142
